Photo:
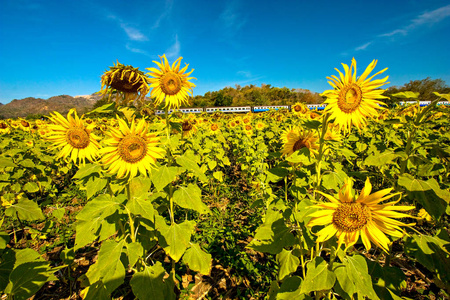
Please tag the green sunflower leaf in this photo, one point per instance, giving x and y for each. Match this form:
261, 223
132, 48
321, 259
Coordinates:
288, 263
175, 238
189, 197
318, 277
197, 259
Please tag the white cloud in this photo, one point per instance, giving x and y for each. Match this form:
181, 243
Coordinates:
136, 50
363, 47
167, 9
231, 19
246, 74
394, 32
430, 18
133, 33
174, 50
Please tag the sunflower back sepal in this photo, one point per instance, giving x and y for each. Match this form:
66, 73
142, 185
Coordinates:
302, 156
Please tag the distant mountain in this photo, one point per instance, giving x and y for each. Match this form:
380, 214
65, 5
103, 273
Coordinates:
62, 104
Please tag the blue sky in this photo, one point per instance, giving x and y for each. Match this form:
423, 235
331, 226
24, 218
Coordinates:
50, 48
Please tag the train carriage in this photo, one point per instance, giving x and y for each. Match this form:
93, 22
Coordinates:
229, 109
269, 107
263, 108
189, 110
316, 106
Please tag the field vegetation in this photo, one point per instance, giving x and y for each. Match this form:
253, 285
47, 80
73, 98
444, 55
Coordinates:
349, 203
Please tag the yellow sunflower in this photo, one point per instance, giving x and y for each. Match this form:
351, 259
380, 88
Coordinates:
296, 139
353, 99
260, 125
130, 150
299, 108
76, 140
170, 83
247, 120
232, 124
352, 216
288, 133
214, 128
126, 83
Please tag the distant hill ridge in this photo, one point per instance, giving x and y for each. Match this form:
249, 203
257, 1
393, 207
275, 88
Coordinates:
62, 104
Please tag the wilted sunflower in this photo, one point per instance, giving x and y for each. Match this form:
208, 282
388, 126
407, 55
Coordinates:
188, 127
126, 83
4, 128
352, 216
170, 83
24, 124
353, 99
76, 140
130, 150
296, 139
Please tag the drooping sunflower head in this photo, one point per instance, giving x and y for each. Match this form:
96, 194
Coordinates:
171, 84
24, 125
4, 128
77, 142
188, 127
410, 110
126, 83
131, 149
298, 138
351, 216
353, 99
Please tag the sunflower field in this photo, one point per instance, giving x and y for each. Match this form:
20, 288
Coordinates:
348, 203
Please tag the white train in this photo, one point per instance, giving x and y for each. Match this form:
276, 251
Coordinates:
263, 108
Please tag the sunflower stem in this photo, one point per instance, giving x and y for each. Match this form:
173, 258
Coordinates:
388, 257
130, 217
321, 151
166, 115
404, 163
170, 159
285, 189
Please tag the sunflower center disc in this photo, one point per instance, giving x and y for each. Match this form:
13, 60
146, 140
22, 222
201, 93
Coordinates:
3, 126
171, 83
77, 138
350, 98
299, 145
186, 126
349, 217
214, 127
25, 123
297, 108
132, 148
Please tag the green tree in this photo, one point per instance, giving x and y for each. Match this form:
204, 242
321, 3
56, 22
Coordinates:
425, 87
